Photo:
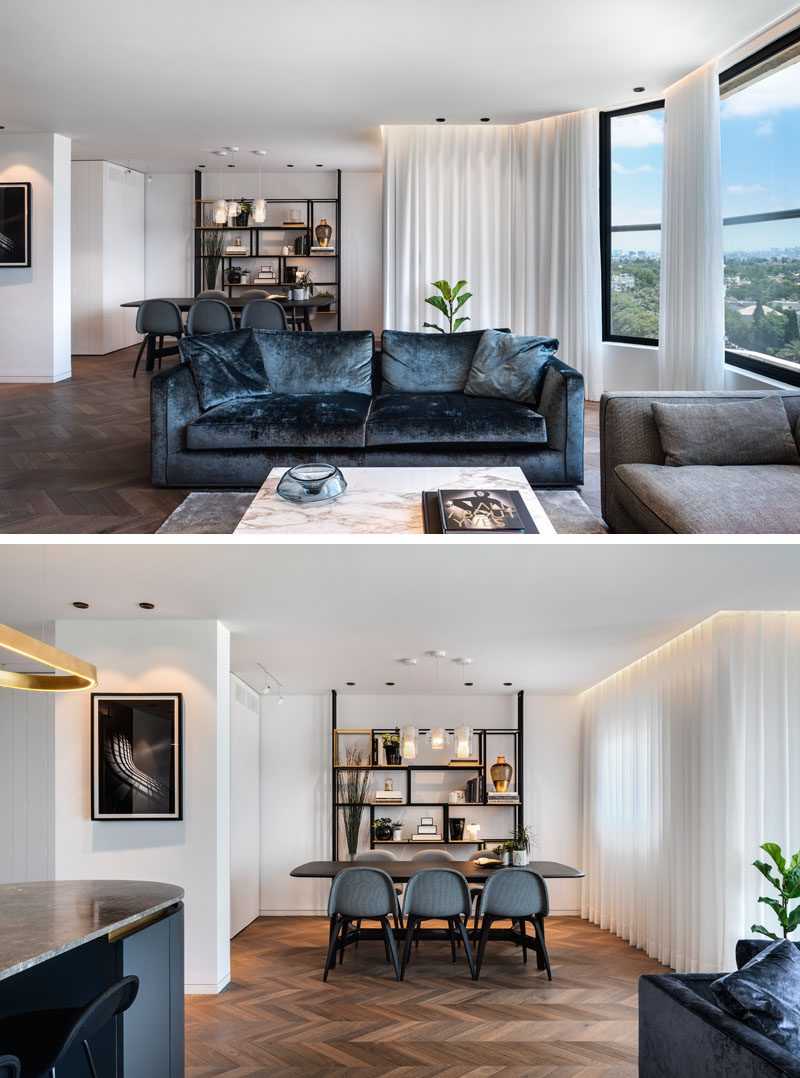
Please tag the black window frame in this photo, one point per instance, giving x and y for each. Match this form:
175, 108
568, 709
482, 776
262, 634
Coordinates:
607, 228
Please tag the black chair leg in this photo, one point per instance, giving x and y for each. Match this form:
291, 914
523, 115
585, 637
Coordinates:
330, 960
452, 931
139, 357
410, 925
475, 926
343, 939
543, 956
89, 1060
358, 932
487, 924
462, 929
387, 935
524, 940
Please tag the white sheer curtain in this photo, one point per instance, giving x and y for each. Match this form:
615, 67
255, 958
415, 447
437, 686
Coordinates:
512, 209
691, 352
690, 762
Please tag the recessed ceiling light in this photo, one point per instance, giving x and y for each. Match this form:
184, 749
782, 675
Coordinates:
469, 684
320, 166
507, 683
2, 127
638, 89
231, 166
351, 683
485, 119
290, 166
441, 120
147, 606
201, 166
81, 606
390, 683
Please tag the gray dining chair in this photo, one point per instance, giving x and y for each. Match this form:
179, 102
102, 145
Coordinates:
157, 319
515, 894
251, 294
361, 893
9, 1067
209, 316
433, 855
213, 293
263, 314
440, 894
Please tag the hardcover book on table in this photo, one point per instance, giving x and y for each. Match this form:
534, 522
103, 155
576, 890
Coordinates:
476, 512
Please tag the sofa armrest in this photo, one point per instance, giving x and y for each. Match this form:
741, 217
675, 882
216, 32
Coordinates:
173, 405
561, 404
681, 1033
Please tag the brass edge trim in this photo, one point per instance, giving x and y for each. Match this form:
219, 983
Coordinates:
76, 674
143, 922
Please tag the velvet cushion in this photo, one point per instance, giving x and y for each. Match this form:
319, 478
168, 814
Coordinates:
765, 994
317, 362
427, 362
225, 366
511, 367
335, 420
446, 418
728, 432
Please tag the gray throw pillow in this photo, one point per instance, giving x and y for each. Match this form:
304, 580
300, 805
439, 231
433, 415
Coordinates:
765, 994
726, 432
225, 366
511, 367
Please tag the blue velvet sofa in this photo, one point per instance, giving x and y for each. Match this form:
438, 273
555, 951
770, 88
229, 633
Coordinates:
683, 1031
242, 403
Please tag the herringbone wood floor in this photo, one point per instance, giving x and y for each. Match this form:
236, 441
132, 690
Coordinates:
278, 1018
75, 456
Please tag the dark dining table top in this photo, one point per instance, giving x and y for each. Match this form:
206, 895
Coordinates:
185, 302
402, 871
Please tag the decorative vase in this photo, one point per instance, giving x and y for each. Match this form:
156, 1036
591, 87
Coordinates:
397, 834
501, 773
505, 857
519, 858
392, 753
456, 828
383, 832
323, 232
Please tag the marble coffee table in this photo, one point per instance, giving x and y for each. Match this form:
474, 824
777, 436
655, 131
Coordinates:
379, 501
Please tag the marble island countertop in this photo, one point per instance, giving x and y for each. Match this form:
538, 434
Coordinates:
41, 920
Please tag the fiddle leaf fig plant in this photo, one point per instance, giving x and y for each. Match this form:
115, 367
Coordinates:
449, 303
787, 883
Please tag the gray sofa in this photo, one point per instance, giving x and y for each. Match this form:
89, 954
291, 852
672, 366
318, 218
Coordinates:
248, 401
642, 494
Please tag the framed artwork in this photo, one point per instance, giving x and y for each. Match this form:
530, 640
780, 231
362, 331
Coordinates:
15, 225
137, 756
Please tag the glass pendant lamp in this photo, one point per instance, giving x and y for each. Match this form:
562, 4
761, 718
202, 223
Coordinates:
220, 206
409, 743
259, 204
463, 748
437, 737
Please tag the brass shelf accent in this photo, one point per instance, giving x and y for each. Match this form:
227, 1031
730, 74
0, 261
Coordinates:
75, 674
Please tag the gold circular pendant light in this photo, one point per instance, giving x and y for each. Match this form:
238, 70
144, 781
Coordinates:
74, 675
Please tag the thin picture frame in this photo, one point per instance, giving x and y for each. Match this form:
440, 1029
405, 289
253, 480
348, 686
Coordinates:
100, 765
15, 225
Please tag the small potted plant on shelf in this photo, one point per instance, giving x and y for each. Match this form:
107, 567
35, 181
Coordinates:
391, 746
520, 845
383, 829
503, 851
397, 831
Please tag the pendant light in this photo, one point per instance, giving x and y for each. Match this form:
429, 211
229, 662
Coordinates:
220, 206
234, 209
436, 735
260, 204
463, 732
409, 733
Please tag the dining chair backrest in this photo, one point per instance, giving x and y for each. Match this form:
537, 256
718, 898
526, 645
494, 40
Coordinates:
515, 892
9, 1067
212, 293
362, 892
433, 855
209, 316
437, 892
160, 317
376, 855
98, 1012
251, 294
263, 314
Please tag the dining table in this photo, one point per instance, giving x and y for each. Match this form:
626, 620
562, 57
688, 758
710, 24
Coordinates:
299, 309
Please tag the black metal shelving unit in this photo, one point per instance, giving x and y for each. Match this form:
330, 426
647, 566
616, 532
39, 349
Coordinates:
409, 770
251, 246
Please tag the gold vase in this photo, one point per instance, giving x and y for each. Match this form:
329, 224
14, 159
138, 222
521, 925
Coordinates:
501, 773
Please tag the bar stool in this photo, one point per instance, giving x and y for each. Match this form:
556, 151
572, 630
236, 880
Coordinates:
157, 319
9, 1067
41, 1039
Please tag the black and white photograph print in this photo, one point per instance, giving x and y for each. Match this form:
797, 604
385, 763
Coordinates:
137, 751
15, 225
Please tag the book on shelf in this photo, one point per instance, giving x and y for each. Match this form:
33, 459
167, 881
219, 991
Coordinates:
475, 790
426, 838
322, 250
427, 829
471, 761
476, 512
502, 799
389, 799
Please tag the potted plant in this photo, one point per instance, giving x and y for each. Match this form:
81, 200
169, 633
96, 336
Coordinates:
503, 852
303, 279
213, 249
787, 883
520, 845
383, 829
353, 786
391, 746
243, 216
450, 302
397, 831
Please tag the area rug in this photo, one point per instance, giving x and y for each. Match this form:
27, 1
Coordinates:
218, 513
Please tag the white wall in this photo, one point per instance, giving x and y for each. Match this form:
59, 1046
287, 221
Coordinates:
296, 781
191, 657
35, 302
108, 255
245, 805
26, 778
169, 235
362, 251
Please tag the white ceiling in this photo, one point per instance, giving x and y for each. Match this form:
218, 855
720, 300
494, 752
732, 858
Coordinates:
549, 618
160, 83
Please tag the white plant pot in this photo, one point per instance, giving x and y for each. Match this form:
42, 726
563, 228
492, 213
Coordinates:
519, 858
397, 834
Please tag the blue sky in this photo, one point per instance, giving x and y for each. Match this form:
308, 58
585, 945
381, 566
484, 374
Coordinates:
760, 164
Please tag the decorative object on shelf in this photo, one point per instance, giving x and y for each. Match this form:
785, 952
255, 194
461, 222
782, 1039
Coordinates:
286, 250
501, 773
353, 780
137, 750
463, 747
234, 275
449, 302
427, 831
307, 483
323, 232
456, 825
388, 795
213, 246
475, 790
409, 743
301, 245
391, 747
73, 674
520, 845
290, 273
383, 829
15, 225
294, 217
237, 249
786, 883
456, 797
242, 218
473, 831
397, 832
